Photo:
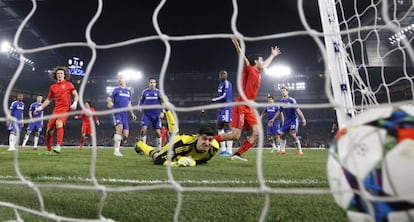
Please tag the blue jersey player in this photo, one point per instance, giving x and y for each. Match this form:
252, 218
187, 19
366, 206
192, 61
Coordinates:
272, 111
120, 98
16, 110
152, 116
36, 126
291, 123
225, 95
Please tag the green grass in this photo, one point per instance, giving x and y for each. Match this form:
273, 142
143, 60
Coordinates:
137, 190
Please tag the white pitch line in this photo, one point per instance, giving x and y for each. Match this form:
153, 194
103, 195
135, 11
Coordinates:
132, 181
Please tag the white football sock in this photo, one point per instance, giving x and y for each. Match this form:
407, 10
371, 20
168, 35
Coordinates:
159, 141
36, 141
26, 138
12, 141
283, 145
298, 146
222, 143
229, 146
117, 142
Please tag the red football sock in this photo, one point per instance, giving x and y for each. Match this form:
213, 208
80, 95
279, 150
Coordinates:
59, 136
218, 138
49, 142
82, 141
244, 147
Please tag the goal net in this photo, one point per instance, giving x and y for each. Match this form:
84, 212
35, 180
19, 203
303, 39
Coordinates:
366, 59
369, 53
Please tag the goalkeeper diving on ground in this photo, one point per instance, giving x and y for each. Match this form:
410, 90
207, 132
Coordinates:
187, 150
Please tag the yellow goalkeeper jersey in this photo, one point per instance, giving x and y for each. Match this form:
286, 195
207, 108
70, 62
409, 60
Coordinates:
185, 145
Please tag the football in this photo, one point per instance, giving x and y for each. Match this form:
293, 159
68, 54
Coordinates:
371, 165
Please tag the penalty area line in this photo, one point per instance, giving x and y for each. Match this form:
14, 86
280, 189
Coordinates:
133, 181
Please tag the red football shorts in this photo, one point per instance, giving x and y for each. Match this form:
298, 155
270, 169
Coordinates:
243, 117
52, 122
86, 129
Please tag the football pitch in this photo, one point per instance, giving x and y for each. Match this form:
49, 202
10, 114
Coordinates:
73, 185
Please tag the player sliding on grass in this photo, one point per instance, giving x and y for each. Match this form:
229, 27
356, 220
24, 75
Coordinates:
187, 150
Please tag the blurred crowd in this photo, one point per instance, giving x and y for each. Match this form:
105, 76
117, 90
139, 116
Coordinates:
318, 133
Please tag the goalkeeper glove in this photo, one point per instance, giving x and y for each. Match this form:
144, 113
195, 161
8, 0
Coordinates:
186, 161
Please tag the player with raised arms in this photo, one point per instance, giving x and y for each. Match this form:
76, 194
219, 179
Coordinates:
243, 116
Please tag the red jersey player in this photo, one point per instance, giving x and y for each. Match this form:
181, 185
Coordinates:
86, 124
164, 135
243, 116
61, 91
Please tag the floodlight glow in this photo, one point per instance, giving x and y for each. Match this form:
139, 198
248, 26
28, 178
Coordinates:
5, 46
278, 71
294, 86
130, 74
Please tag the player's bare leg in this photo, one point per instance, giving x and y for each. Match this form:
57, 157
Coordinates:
82, 141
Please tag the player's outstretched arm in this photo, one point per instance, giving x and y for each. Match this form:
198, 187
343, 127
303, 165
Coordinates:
275, 51
75, 100
239, 50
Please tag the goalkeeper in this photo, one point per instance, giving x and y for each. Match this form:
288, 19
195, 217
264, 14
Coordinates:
187, 150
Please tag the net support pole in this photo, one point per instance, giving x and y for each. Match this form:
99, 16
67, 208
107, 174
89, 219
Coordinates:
336, 55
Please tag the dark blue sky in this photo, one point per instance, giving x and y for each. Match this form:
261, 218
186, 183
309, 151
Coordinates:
66, 21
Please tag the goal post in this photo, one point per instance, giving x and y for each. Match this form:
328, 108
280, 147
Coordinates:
336, 62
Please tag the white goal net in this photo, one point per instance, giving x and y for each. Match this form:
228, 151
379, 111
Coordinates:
363, 55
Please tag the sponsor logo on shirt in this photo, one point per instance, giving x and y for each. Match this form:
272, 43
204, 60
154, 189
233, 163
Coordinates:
124, 94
